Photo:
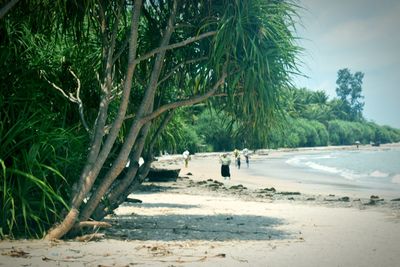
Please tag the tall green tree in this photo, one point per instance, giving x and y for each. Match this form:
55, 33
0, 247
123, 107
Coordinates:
349, 91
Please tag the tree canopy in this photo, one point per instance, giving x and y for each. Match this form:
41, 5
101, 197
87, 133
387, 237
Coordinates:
349, 87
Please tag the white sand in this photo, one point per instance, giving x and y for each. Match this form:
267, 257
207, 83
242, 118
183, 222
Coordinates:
191, 226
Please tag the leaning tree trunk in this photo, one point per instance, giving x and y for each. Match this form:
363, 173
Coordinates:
142, 117
94, 202
121, 191
119, 199
133, 167
146, 105
95, 163
121, 185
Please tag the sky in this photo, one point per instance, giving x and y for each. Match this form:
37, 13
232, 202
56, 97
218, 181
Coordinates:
361, 35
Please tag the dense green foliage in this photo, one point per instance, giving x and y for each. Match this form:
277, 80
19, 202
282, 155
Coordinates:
42, 142
45, 45
40, 157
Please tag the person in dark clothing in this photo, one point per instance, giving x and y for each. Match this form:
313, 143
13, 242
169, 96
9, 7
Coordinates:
225, 162
238, 161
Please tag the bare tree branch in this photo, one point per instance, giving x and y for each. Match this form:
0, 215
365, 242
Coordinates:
121, 50
180, 65
190, 101
74, 99
79, 102
110, 60
163, 48
176, 45
168, 116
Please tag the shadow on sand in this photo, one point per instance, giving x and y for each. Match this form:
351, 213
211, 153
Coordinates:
196, 227
184, 227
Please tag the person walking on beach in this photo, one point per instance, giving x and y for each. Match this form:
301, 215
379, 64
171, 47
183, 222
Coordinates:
238, 161
225, 162
235, 154
186, 157
246, 155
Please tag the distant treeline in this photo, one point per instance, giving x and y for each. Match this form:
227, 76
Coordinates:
211, 133
307, 118
309, 133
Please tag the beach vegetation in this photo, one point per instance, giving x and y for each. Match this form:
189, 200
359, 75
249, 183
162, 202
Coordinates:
88, 86
38, 162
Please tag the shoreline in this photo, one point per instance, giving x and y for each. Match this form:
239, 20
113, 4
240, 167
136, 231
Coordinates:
254, 181
202, 220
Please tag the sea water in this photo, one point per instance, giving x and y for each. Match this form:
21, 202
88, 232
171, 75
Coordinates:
362, 172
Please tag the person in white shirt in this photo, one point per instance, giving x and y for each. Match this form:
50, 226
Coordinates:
186, 157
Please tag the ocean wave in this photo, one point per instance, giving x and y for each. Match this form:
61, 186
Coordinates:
346, 171
298, 160
348, 174
325, 157
294, 161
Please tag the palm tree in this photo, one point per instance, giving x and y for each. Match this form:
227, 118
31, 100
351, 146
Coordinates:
319, 97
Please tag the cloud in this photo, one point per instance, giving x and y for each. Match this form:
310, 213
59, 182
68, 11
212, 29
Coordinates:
369, 42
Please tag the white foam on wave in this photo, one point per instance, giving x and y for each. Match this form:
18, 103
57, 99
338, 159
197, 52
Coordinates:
325, 157
342, 172
396, 179
301, 161
297, 160
378, 174
294, 161
320, 167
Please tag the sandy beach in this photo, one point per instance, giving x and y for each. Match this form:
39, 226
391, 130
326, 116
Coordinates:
202, 220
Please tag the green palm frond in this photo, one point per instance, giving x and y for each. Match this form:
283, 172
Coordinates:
257, 37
